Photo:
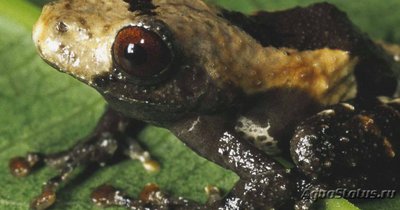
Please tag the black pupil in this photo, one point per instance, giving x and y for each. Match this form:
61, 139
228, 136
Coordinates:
136, 54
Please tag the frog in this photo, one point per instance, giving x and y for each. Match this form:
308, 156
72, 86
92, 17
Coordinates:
240, 90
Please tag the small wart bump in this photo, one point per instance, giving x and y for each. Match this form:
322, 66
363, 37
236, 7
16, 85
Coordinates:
67, 6
82, 21
327, 112
396, 58
61, 27
348, 106
389, 148
327, 164
106, 28
368, 124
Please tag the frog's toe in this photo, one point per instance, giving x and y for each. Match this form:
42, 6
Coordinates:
45, 199
136, 152
107, 195
23, 166
151, 198
112, 140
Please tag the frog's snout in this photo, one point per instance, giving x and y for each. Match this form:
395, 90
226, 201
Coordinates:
72, 43
44, 35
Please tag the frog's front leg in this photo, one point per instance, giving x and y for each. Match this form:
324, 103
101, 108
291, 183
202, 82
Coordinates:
113, 136
263, 182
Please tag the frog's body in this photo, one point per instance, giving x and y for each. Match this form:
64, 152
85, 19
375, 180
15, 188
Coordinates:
223, 77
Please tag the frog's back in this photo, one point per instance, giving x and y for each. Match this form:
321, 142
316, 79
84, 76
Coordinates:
234, 56
322, 26
315, 50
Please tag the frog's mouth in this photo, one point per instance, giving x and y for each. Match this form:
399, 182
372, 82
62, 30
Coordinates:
186, 91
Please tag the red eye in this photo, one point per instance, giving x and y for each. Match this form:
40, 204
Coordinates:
141, 53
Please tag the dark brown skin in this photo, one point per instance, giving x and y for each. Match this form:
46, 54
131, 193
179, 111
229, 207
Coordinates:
192, 104
365, 136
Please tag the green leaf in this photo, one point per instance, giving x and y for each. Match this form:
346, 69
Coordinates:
16, 10
42, 110
341, 204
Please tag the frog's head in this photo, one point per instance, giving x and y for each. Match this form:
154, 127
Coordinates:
147, 58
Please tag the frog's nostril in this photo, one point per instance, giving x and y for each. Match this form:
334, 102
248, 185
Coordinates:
61, 27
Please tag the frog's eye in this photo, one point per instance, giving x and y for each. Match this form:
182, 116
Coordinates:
141, 53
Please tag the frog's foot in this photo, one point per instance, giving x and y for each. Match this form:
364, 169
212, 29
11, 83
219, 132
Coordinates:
307, 192
151, 197
112, 139
366, 137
